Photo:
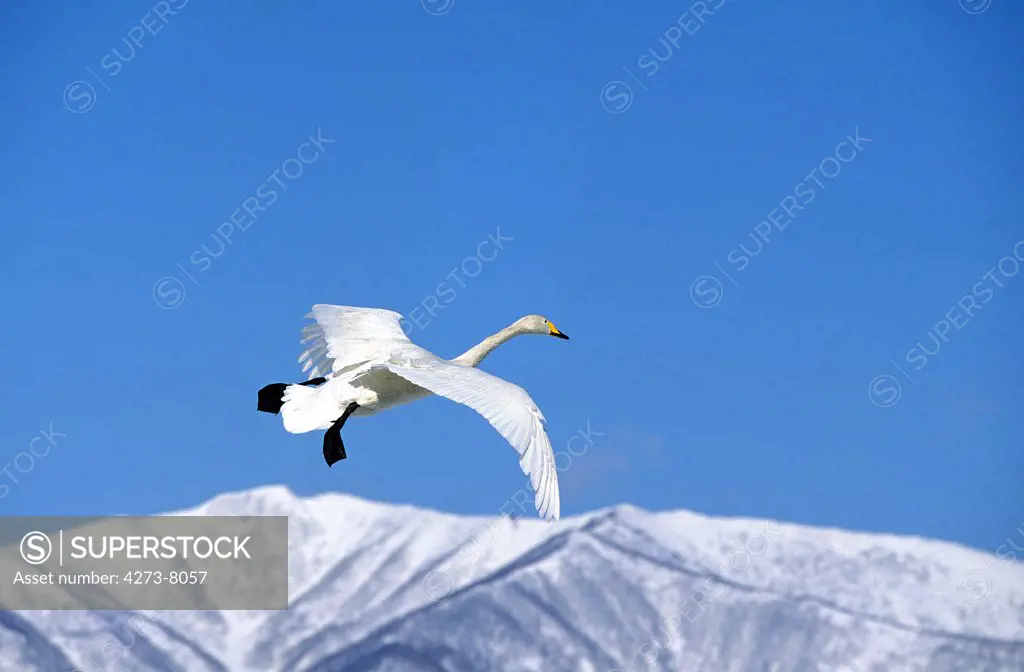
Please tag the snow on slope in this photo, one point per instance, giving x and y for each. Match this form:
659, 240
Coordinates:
382, 587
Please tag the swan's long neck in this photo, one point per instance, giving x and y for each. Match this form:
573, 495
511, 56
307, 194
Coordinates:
476, 354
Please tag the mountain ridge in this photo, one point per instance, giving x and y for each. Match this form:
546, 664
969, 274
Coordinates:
377, 586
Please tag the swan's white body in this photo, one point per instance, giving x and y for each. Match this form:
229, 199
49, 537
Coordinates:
366, 358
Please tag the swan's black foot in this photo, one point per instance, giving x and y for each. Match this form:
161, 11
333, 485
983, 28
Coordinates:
334, 448
271, 397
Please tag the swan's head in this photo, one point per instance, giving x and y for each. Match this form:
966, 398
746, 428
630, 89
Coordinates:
536, 324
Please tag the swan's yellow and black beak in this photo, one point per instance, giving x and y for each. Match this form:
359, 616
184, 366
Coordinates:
553, 331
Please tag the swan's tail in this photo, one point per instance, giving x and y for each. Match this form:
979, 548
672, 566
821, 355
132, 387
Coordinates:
301, 406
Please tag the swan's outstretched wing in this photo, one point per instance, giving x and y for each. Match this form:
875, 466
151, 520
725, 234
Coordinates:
343, 337
506, 406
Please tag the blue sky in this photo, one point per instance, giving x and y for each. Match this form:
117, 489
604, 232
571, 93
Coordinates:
624, 154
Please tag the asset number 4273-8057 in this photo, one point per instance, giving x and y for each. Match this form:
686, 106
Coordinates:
174, 578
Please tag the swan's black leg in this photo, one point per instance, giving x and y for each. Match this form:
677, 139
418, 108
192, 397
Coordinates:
334, 448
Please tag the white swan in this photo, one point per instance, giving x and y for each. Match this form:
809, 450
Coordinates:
361, 363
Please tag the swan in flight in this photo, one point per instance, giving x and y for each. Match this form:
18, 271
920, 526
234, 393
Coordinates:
361, 362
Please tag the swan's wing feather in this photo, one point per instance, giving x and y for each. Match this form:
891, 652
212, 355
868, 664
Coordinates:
508, 408
341, 337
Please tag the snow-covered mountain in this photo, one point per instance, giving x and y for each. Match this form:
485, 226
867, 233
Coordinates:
395, 588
